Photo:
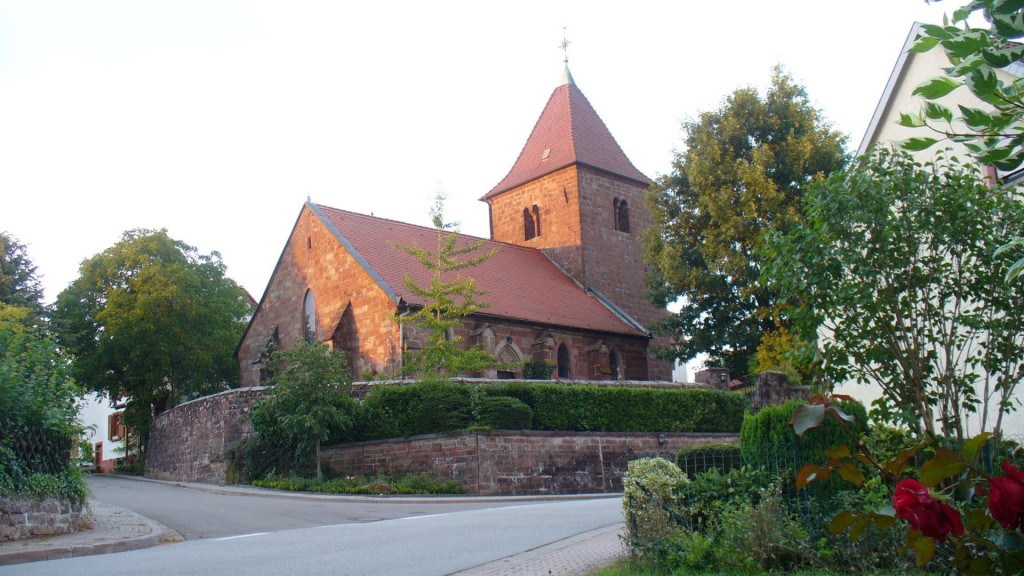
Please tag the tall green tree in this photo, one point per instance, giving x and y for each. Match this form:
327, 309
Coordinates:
904, 290
154, 321
309, 403
21, 293
448, 298
743, 172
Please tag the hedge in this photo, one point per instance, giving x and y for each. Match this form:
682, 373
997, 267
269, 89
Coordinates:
771, 427
409, 410
694, 460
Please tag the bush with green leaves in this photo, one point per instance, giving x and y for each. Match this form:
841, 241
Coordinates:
309, 404
649, 492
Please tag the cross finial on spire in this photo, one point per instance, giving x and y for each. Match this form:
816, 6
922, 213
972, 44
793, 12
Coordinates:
565, 46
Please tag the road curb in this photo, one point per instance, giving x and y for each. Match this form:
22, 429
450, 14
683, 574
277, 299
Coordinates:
35, 550
380, 499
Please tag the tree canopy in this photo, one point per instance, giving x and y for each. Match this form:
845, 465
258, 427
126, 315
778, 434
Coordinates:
154, 321
743, 172
905, 291
19, 286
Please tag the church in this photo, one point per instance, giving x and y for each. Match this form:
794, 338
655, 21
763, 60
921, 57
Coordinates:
565, 285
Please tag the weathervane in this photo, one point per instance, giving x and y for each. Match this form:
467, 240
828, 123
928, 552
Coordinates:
565, 46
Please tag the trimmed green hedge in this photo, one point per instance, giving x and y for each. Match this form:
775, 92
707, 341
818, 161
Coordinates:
409, 410
770, 426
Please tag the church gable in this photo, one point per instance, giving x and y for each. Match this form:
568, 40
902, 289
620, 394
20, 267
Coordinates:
350, 303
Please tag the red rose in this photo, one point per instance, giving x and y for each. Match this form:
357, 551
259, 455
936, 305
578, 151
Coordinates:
1006, 497
932, 518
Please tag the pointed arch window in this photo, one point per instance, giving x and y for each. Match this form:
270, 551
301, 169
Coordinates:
309, 317
620, 215
564, 372
615, 364
529, 228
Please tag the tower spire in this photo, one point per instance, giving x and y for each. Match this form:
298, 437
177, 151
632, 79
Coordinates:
566, 75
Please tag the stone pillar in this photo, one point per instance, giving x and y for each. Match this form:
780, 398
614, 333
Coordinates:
770, 390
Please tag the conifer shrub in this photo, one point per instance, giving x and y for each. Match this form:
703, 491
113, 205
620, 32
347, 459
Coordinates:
504, 413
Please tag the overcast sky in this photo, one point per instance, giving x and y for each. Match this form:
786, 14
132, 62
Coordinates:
216, 120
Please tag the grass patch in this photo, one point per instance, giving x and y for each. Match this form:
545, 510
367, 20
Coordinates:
409, 484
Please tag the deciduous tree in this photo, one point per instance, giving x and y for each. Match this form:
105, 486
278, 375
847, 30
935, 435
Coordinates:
449, 298
153, 320
309, 403
743, 172
904, 291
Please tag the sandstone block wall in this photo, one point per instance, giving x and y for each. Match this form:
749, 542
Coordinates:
499, 463
187, 443
24, 517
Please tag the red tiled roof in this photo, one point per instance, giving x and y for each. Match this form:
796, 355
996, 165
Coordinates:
568, 131
521, 283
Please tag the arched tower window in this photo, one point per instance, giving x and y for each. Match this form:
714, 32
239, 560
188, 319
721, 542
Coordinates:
615, 364
529, 227
309, 317
536, 218
620, 214
563, 362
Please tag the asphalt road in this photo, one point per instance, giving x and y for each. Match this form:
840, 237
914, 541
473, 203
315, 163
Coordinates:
345, 540
196, 514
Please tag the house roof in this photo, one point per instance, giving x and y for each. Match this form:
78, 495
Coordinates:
520, 283
568, 132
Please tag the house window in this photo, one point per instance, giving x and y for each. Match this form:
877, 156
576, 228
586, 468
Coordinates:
620, 215
536, 218
115, 427
563, 362
529, 226
309, 317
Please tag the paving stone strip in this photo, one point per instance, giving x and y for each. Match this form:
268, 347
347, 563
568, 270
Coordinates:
576, 556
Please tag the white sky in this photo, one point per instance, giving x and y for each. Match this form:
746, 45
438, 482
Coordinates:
215, 120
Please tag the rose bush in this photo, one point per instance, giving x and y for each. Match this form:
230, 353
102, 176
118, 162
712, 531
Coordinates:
914, 503
982, 521
1006, 497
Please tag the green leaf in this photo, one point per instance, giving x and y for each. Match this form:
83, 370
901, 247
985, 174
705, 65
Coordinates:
945, 464
917, 144
838, 453
936, 87
937, 111
806, 417
973, 446
923, 547
976, 118
842, 521
911, 121
966, 44
1001, 57
858, 527
884, 518
924, 44
940, 32
984, 83
851, 474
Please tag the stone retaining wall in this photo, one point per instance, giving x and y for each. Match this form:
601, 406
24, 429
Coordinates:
494, 463
25, 517
187, 443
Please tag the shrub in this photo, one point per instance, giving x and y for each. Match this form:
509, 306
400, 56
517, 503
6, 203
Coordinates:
537, 370
649, 490
770, 426
504, 413
694, 460
426, 408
